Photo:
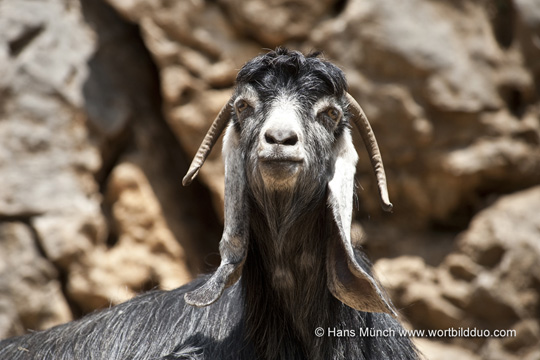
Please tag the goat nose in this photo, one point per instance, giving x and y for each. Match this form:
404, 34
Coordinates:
281, 137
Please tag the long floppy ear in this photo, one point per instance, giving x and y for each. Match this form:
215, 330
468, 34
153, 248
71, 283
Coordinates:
233, 244
349, 276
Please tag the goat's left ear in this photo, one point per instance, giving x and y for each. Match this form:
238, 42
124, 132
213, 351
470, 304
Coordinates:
234, 241
349, 275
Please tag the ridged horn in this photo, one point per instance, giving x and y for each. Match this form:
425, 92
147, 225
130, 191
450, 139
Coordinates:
209, 141
363, 126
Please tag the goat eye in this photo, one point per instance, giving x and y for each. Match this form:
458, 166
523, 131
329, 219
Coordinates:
333, 114
241, 106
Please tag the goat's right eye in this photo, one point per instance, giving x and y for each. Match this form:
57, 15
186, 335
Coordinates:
241, 106
333, 113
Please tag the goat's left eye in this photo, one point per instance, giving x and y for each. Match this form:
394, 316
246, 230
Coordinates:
241, 106
333, 114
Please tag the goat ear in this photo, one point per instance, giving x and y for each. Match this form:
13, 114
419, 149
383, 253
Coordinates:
234, 241
349, 277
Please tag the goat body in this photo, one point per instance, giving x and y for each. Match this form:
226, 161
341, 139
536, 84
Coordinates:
288, 269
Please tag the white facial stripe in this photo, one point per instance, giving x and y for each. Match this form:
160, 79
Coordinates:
284, 113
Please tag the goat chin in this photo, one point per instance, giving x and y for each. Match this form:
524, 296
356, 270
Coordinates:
290, 280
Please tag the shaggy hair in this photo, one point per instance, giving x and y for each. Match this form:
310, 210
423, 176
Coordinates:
288, 266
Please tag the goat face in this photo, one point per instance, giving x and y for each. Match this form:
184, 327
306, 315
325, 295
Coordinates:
289, 112
288, 134
288, 141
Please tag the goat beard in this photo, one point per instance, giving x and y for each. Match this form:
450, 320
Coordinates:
284, 202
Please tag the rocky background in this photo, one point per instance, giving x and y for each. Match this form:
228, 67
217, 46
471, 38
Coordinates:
103, 103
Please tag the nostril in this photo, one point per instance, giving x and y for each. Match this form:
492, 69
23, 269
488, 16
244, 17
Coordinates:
292, 140
281, 137
269, 139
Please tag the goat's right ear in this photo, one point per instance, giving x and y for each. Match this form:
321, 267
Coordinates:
234, 241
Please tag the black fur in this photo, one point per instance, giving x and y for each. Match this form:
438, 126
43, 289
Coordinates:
282, 295
158, 325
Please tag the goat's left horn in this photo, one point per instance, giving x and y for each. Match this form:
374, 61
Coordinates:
363, 126
209, 141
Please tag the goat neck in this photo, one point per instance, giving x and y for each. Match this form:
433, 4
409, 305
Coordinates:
284, 277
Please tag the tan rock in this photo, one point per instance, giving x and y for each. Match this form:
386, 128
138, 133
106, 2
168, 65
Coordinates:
435, 350
527, 334
30, 295
145, 256
413, 287
290, 20
461, 266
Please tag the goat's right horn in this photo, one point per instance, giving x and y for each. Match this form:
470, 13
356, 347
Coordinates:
363, 126
209, 141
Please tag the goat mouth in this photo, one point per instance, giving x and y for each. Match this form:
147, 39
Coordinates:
279, 168
292, 160
280, 162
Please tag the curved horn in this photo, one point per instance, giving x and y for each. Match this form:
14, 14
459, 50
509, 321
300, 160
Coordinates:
210, 139
362, 123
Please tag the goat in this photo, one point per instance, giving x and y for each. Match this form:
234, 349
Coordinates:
289, 272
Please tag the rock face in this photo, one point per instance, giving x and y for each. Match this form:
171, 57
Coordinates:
103, 103
46, 160
491, 282
90, 205
49, 200
146, 254
32, 296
